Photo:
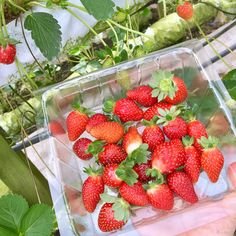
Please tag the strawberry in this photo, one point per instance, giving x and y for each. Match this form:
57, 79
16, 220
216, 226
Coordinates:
134, 194
106, 219
125, 108
153, 111
109, 176
160, 196
212, 160
80, 148
95, 120
141, 169
56, 128
152, 134
168, 156
92, 188
7, 54
76, 122
169, 88
132, 140
196, 129
181, 184
142, 95
109, 131
174, 126
185, 10
111, 154
192, 164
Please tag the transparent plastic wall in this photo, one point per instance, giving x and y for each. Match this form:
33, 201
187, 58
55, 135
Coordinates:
205, 89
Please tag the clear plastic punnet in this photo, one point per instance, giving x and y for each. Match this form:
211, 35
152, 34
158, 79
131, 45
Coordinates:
205, 89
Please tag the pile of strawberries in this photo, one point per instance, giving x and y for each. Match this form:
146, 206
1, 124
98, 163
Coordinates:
148, 149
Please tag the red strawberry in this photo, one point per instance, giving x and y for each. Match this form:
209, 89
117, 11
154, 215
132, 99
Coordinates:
181, 184
132, 140
192, 164
169, 88
109, 131
196, 129
76, 122
168, 156
153, 111
56, 128
111, 154
7, 54
185, 10
92, 188
95, 120
141, 171
174, 126
160, 196
212, 160
80, 147
109, 176
134, 194
142, 95
106, 219
125, 108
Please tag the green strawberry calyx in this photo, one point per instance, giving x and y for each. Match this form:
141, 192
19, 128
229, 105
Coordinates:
93, 172
109, 106
151, 122
167, 115
188, 141
163, 85
153, 185
120, 207
156, 174
81, 109
95, 147
208, 143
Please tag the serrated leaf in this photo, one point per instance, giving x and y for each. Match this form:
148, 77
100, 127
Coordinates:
12, 210
38, 221
229, 81
45, 31
139, 155
7, 232
107, 198
100, 9
128, 175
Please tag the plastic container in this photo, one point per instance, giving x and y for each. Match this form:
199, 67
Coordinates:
205, 88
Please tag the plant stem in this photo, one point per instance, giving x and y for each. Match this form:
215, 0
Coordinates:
3, 19
211, 46
164, 7
77, 6
190, 32
218, 8
1, 30
116, 36
87, 25
130, 25
17, 6
127, 29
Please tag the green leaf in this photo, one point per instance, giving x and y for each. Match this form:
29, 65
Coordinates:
38, 221
100, 9
7, 232
128, 175
139, 155
12, 210
229, 81
45, 31
108, 198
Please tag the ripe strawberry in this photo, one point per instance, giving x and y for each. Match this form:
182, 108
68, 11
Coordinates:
174, 126
56, 128
185, 10
80, 148
7, 54
181, 184
132, 140
141, 171
106, 219
134, 194
91, 189
109, 176
125, 108
95, 120
168, 156
160, 196
142, 95
212, 160
192, 164
76, 122
109, 131
169, 88
153, 111
111, 154
152, 134
196, 129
